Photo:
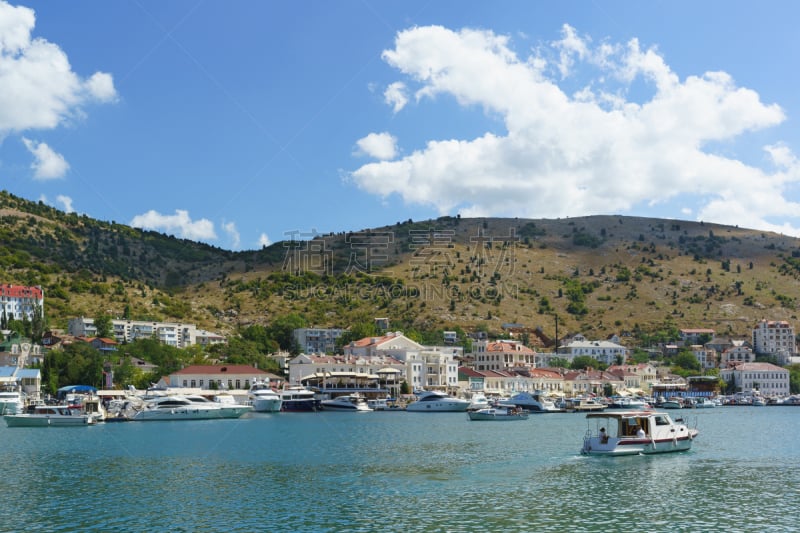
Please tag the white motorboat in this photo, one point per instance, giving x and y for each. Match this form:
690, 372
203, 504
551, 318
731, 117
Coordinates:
535, 403
435, 401
347, 402
629, 403
184, 408
704, 403
478, 401
50, 416
263, 398
635, 433
500, 413
11, 402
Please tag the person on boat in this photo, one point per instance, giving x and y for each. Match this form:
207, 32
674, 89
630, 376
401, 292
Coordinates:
640, 434
603, 436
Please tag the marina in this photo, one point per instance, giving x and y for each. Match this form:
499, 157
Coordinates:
405, 471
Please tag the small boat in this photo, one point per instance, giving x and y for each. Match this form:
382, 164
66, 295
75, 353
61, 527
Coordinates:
263, 398
384, 404
500, 413
347, 402
50, 416
704, 403
435, 401
629, 403
635, 433
575, 405
671, 403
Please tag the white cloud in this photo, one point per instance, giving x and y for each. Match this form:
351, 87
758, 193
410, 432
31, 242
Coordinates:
179, 224
381, 146
598, 151
47, 163
233, 234
264, 241
66, 203
395, 95
38, 89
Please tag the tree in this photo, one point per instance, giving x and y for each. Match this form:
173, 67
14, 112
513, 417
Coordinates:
102, 322
584, 361
282, 331
686, 360
38, 323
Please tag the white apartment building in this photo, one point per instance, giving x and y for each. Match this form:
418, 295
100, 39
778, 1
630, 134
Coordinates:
18, 300
606, 352
766, 378
317, 340
171, 334
774, 337
738, 353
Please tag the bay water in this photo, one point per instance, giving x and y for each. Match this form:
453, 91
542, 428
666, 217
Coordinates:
398, 471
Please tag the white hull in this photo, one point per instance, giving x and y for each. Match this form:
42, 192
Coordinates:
636, 433
50, 416
497, 415
184, 413
438, 406
267, 405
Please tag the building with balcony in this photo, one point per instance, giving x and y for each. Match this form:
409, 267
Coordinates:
17, 301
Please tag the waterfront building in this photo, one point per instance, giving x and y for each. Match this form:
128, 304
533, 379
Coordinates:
502, 355
18, 301
584, 382
218, 377
768, 379
636, 378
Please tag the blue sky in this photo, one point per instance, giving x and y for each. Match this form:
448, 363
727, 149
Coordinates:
241, 123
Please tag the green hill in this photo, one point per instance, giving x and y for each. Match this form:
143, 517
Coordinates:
599, 274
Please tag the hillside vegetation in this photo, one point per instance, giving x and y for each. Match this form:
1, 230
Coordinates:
599, 274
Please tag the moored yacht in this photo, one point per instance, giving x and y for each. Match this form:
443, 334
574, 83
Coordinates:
11, 402
535, 403
263, 398
347, 402
435, 401
299, 399
50, 416
183, 408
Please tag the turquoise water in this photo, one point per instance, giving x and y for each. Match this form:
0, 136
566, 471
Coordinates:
398, 471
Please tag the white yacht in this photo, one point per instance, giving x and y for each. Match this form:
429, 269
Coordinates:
535, 403
478, 401
299, 399
263, 398
348, 402
11, 402
435, 401
183, 408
